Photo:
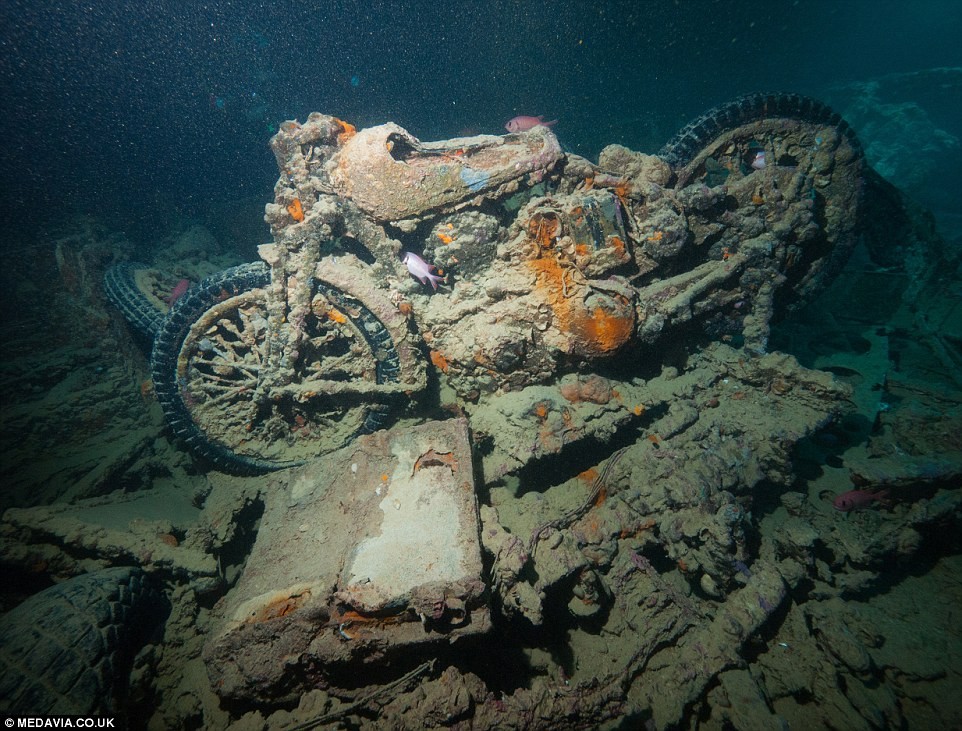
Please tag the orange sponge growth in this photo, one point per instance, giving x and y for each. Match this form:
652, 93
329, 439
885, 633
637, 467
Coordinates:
440, 362
296, 210
347, 131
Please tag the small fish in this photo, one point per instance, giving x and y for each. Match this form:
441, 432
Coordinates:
759, 162
857, 500
177, 292
523, 123
421, 270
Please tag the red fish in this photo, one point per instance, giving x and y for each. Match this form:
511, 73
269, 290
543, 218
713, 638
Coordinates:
857, 500
178, 290
522, 123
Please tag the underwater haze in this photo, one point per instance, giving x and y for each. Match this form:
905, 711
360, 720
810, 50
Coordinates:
136, 112
499, 364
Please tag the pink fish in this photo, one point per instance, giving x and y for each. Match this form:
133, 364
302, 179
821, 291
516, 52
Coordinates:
857, 499
182, 286
521, 123
420, 269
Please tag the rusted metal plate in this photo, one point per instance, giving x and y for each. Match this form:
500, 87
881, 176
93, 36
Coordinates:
366, 551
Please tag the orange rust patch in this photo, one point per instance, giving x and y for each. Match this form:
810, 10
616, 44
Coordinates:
602, 496
440, 362
280, 607
589, 475
595, 331
543, 228
606, 330
657, 236
349, 615
445, 239
436, 459
638, 410
296, 210
339, 317
653, 438
351, 618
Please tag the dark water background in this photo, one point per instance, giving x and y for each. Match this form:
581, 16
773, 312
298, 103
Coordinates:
143, 113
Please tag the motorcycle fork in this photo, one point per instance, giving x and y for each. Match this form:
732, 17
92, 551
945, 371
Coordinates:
289, 296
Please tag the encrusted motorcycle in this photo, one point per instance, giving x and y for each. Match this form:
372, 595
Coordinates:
528, 263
